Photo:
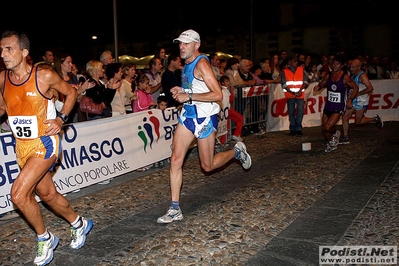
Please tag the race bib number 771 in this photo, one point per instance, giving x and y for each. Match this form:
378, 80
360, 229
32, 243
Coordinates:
334, 97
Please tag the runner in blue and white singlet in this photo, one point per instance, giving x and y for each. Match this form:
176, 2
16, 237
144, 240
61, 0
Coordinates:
361, 101
200, 94
201, 118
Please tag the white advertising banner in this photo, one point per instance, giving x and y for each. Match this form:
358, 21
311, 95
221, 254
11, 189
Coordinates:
97, 150
384, 101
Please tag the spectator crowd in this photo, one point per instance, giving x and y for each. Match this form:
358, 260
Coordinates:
123, 89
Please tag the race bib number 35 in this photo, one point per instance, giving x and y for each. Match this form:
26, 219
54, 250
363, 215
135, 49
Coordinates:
24, 127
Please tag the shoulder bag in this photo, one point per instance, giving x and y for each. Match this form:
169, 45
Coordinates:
88, 106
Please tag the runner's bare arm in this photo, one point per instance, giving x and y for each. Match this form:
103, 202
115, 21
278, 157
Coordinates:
369, 87
321, 84
348, 81
49, 80
2, 106
204, 71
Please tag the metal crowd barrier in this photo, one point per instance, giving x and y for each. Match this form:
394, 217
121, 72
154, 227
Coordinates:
251, 102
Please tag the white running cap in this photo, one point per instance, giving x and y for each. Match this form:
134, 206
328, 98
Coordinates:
188, 36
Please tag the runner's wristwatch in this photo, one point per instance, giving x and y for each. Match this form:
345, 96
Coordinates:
63, 117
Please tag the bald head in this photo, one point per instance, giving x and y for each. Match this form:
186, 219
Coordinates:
356, 66
356, 62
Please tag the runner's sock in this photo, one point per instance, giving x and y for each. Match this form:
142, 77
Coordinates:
77, 223
175, 205
45, 235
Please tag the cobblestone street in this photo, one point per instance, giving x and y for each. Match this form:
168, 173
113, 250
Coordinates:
276, 213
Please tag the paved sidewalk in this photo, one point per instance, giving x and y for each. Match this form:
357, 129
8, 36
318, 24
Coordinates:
277, 213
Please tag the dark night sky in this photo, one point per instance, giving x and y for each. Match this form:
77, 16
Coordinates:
71, 25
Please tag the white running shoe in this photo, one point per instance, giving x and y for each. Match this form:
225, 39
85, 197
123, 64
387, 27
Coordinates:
330, 148
170, 216
78, 235
244, 157
335, 138
45, 250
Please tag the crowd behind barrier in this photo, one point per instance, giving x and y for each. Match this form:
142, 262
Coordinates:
383, 101
97, 150
251, 102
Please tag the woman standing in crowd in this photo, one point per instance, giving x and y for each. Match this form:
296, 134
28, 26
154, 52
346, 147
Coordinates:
128, 77
232, 71
275, 68
222, 65
161, 53
114, 74
63, 66
100, 93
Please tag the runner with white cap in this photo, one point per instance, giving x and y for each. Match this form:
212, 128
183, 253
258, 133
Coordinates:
200, 92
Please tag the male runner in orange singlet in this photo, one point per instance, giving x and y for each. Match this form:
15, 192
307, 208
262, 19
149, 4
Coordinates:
26, 96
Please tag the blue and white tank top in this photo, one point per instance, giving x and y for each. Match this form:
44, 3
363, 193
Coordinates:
361, 100
191, 84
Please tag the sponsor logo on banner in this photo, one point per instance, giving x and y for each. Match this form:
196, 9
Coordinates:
149, 131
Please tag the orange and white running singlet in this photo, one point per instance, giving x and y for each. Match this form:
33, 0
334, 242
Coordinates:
27, 109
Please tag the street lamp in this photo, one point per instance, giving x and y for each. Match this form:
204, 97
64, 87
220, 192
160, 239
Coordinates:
116, 31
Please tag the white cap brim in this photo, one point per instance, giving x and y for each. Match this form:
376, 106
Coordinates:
184, 39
